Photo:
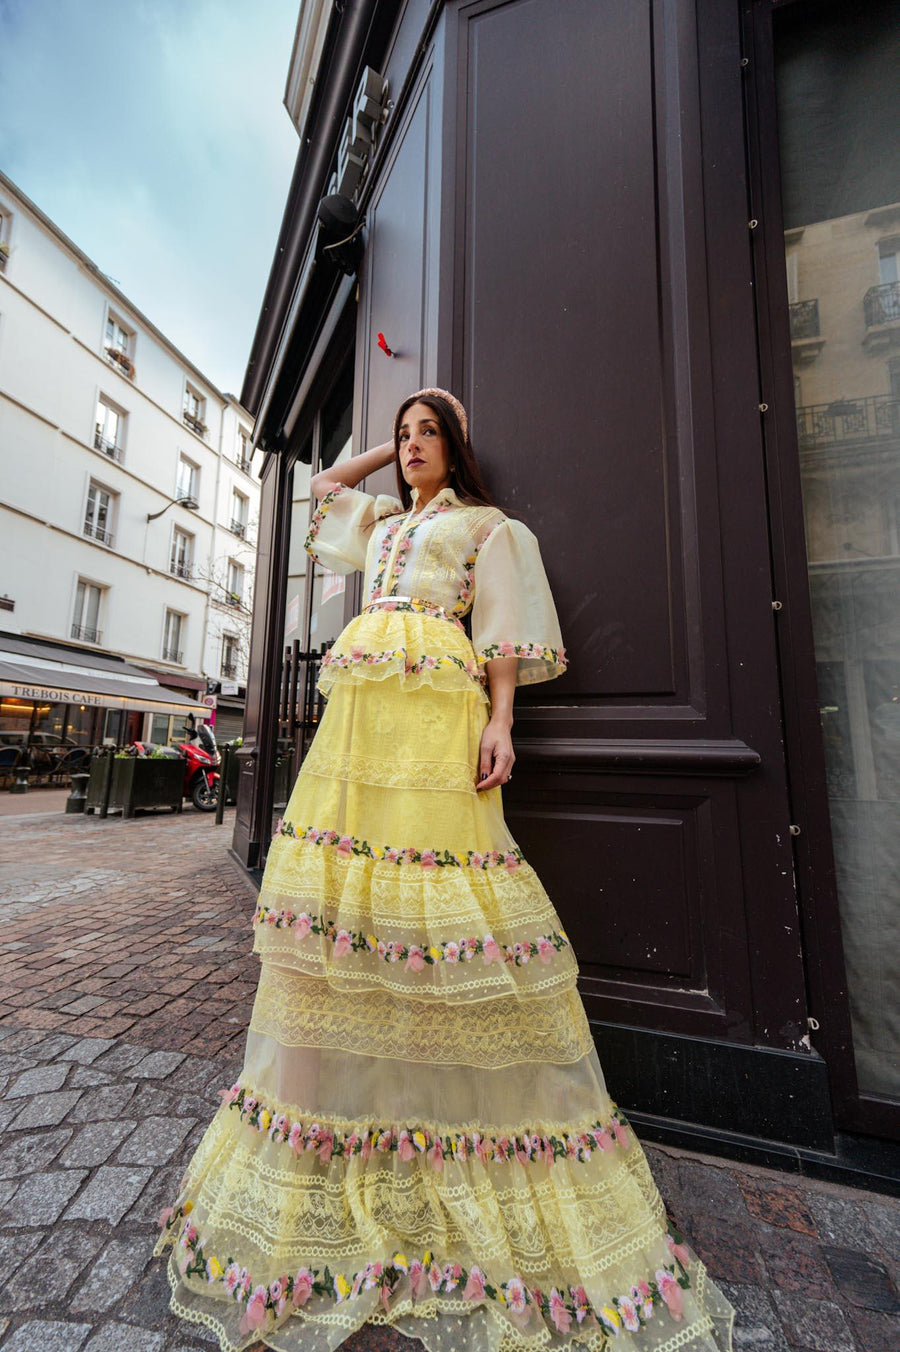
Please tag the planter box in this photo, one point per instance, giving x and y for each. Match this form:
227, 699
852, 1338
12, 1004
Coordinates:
137, 784
96, 790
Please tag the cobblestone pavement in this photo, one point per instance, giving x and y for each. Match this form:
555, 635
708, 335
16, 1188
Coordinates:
126, 980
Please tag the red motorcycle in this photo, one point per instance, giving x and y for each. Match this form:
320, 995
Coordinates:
201, 769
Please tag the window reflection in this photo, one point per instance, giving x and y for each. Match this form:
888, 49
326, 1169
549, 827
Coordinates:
839, 113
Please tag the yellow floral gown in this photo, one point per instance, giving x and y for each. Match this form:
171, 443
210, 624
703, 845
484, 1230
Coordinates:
421, 1135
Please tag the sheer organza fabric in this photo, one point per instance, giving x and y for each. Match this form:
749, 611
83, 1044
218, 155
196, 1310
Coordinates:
421, 1135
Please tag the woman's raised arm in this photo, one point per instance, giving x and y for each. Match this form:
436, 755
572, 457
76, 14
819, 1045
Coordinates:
352, 471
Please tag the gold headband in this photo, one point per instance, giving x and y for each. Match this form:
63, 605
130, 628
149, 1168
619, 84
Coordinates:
453, 402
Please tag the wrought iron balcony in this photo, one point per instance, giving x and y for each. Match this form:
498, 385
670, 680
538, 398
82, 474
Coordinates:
881, 304
98, 533
229, 669
195, 424
172, 655
102, 443
181, 569
804, 320
238, 527
121, 361
86, 633
847, 422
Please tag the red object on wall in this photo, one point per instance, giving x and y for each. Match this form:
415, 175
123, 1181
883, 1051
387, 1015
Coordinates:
382, 343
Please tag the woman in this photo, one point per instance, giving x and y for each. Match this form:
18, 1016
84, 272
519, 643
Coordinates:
421, 1134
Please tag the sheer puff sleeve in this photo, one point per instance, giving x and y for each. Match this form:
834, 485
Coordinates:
513, 610
342, 524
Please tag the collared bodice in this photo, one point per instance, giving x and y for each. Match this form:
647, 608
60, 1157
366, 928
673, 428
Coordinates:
452, 558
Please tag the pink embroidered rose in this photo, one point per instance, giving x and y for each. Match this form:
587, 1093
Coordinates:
276, 1288
514, 1291
357, 652
452, 1274
365, 1149
481, 1147
545, 950
491, 950
507, 649
391, 856
326, 1147
511, 861
622, 1136
416, 960
427, 859
451, 951
255, 1313
670, 1292
231, 1278
474, 1288
436, 1156
629, 1314
342, 944
345, 847
678, 1250
295, 1139
303, 926
405, 1148
477, 859
435, 1277
581, 1302
604, 1140
416, 1277
372, 1274
559, 1312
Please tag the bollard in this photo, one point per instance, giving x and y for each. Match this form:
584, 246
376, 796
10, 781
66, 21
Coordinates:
23, 770
223, 784
78, 796
107, 791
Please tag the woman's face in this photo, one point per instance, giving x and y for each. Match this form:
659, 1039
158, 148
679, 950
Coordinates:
424, 451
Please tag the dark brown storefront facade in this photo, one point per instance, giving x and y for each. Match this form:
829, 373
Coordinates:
599, 221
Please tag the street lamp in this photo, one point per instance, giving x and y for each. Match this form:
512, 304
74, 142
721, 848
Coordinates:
190, 503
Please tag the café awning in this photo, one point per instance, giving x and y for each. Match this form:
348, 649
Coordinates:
52, 675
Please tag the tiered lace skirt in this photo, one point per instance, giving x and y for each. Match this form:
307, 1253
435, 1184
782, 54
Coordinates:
421, 1135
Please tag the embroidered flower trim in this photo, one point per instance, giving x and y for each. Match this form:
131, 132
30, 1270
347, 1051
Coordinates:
427, 662
320, 513
540, 650
380, 587
389, 854
416, 956
631, 1310
408, 1142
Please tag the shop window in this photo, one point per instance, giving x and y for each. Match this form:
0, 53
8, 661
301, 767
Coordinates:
86, 620
173, 637
98, 513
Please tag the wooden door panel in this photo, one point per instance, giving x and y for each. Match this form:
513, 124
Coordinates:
604, 346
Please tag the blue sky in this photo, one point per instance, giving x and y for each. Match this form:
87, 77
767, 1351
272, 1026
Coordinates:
153, 133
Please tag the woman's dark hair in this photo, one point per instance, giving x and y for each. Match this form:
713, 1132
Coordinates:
465, 476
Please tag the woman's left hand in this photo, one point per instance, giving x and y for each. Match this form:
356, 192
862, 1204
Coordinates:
496, 757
